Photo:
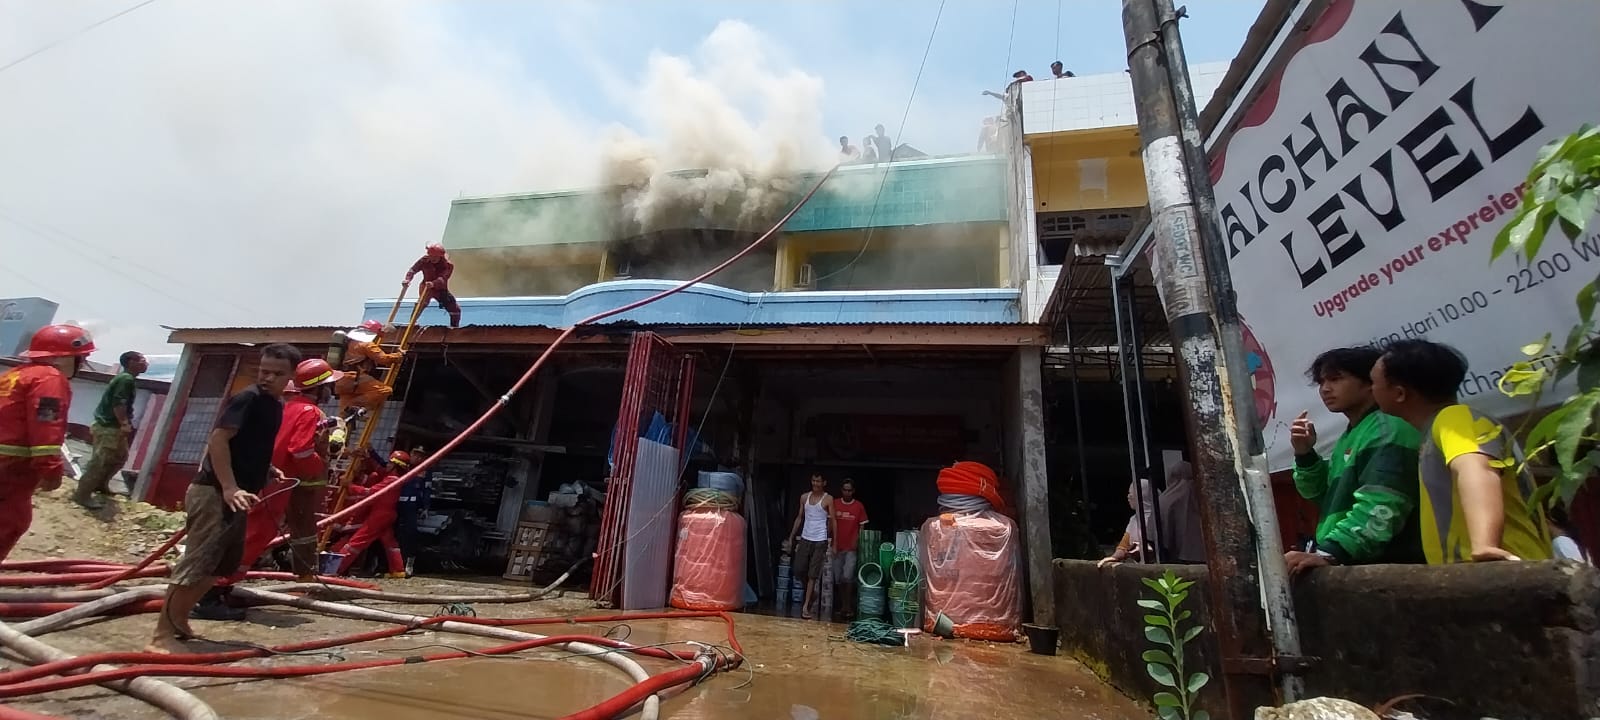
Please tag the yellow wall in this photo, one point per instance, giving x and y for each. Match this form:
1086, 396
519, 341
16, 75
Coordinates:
963, 255
1064, 175
529, 270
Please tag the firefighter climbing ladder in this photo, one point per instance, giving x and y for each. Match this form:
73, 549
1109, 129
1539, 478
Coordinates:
351, 460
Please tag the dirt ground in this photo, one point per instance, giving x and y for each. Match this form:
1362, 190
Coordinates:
796, 670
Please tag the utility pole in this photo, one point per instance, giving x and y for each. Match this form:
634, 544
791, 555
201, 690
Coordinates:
1248, 582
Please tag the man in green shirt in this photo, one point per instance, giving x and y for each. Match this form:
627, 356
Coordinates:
1367, 488
112, 430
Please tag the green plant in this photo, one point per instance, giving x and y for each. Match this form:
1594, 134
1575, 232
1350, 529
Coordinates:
1563, 189
1165, 627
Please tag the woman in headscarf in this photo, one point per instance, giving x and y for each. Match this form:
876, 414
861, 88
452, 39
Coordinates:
1139, 537
1180, 517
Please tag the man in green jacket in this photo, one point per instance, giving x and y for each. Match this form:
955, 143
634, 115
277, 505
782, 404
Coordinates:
1367, 488
112, 430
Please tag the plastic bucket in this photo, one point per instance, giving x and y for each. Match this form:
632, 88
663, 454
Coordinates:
870, 575
1041, 639
870, 604
330, 562
944, 627
904, 570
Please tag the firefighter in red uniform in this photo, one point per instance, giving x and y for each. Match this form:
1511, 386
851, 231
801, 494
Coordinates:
436, 268
33, 423
379, 525
300, 453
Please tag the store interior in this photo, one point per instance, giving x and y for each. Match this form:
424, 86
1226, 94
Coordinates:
889, 422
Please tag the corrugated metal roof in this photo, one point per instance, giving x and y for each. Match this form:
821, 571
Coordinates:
710, 305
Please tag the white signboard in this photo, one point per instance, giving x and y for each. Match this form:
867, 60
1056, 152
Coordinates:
1362, 191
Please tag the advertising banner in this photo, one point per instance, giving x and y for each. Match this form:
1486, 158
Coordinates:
1361, 192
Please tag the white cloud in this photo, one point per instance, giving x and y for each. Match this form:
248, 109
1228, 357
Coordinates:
273, 163
248, 163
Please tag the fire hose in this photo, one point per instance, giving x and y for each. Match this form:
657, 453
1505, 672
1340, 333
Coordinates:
645, 689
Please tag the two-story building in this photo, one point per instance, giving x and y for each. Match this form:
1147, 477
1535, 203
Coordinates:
880, 336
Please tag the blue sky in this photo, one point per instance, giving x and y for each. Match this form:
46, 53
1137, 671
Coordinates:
238, 163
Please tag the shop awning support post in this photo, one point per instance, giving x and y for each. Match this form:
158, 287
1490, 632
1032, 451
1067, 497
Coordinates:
1148, 471
1124, 373
1252, 610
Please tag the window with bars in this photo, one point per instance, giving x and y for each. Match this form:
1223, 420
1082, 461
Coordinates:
1058, 231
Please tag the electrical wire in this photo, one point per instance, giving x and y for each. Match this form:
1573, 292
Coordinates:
888, 162
1011, 38
70, 36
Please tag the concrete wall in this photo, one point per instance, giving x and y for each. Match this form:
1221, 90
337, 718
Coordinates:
1505, 640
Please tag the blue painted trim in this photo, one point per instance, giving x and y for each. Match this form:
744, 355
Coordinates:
720, 306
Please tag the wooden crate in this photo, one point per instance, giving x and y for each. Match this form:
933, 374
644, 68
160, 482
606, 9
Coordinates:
530, 535
520, 563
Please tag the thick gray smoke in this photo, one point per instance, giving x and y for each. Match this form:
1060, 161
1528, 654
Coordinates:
722, 137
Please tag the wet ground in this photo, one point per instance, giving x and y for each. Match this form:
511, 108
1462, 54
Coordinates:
796, 670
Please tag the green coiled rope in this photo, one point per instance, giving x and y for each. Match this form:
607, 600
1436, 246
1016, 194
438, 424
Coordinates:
875, 632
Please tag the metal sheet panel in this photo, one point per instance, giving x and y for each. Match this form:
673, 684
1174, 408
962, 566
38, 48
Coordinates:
647, 554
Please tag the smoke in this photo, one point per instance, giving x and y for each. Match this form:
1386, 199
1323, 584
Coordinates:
721, 138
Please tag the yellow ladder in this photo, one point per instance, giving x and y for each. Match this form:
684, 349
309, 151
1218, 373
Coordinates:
357, 451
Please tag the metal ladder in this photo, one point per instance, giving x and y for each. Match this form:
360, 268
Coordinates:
348, 465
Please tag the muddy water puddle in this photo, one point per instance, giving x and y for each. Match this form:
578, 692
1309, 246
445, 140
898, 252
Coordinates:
795, 671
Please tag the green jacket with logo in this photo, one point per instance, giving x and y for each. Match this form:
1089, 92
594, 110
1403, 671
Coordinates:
1367, 492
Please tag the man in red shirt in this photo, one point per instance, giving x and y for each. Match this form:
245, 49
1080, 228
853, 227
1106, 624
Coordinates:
848, 517
33, 423
436, 268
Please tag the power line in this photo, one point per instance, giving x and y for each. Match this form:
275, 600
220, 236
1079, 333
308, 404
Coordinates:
96, 253
887, 162
66, 38
1011, 37
119, 271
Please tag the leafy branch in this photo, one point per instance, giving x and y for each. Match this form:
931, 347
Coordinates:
1165, 627
1563, 189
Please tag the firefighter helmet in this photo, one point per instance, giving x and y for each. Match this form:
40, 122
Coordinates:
435, 250
315, 372
376, 327
401, 458
59, 341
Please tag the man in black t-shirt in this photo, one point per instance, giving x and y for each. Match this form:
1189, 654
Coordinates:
237, 464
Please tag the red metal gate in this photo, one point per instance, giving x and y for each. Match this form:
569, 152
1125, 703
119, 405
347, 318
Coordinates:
659, 381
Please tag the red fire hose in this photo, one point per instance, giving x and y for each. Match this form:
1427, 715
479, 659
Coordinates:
35, 687
618, 705
12, 677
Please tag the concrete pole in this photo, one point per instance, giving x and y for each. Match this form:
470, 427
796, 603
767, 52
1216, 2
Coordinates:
1257, 482
1186, 272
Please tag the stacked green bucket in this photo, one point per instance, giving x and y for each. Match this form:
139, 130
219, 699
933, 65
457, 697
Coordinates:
905, 592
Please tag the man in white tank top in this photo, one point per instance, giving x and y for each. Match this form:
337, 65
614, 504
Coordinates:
813, 525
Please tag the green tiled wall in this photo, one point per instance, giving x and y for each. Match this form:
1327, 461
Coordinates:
915, 192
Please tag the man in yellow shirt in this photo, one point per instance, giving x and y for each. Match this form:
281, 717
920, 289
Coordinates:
1475, 503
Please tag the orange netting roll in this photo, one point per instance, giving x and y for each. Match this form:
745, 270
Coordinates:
972, 567
708, 572
972, 478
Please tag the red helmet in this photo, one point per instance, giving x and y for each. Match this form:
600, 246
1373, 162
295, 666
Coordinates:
59, 341
435, 250
315, 372
375, 326
401, 458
